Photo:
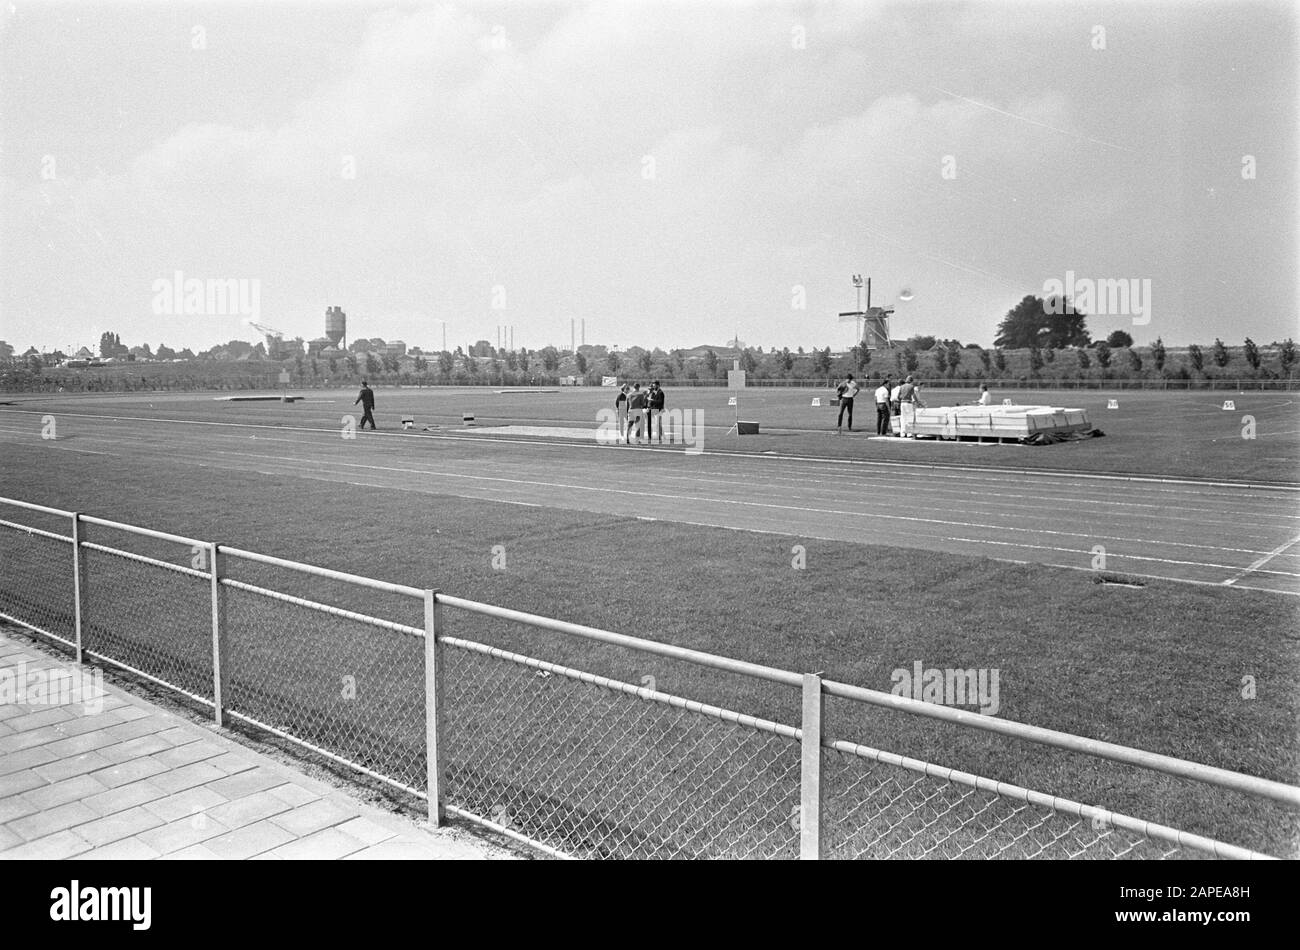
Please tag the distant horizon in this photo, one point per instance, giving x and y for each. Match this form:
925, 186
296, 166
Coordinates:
807, 350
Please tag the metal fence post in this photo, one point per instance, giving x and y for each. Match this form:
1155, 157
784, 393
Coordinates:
810, 770
218, 623
79, 579
433, 708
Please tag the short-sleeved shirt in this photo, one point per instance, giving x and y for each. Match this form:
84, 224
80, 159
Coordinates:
882, 394
850, 389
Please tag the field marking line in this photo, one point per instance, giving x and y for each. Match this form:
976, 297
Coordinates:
928, 466
909, 484
1155, 577
1255, 567
65, 448
787, 507
1001, 560
1051, 503
1112, 554
783, 507
912, 485
752, 504
903, 481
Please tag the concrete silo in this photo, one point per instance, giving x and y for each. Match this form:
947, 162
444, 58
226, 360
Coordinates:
336, 325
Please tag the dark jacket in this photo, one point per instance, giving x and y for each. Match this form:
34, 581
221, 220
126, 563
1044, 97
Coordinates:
656, 399
366, 397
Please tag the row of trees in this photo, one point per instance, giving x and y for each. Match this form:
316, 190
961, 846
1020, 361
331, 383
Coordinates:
945, 359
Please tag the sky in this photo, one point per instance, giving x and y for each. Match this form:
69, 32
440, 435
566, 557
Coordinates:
673, 174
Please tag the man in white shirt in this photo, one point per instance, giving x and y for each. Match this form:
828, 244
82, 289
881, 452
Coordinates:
986, 397
847, 390
882, 407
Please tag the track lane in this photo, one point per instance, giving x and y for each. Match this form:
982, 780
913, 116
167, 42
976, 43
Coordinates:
1243, 537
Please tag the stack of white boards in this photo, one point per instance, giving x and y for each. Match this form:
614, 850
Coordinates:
989, 422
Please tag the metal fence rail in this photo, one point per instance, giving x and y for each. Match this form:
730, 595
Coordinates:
574, 763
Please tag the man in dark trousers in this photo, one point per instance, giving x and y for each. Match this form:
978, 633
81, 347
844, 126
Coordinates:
882, 406
656, 414
367, 399
847, 390
636, 407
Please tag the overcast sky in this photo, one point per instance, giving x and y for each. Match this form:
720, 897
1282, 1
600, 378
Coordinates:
673, 173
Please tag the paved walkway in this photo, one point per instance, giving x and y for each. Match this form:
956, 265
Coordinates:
131, 780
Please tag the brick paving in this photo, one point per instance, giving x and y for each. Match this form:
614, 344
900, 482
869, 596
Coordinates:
130, 780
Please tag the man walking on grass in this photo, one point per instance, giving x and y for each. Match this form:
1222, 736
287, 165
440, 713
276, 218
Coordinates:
367, 399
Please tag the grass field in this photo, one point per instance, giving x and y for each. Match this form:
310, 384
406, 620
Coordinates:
1159, 668
1174, 434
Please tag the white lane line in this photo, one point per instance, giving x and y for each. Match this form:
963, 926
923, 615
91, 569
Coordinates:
1089, 535
64, 448
1155, 577
887, 463
886, 480
1255, 566
1021, 504
1113, 554
840, 512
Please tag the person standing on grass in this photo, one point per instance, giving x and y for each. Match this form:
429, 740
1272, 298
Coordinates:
636, 406
656, 411
620, 406
882, 407
367, 399
986, 397
846, 391
907, 391
906, 406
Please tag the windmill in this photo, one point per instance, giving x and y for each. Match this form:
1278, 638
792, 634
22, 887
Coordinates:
872, 322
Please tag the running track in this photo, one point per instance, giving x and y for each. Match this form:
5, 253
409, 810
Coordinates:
1244, 537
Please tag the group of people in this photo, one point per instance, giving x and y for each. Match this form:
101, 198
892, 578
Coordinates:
889, 397
640, 410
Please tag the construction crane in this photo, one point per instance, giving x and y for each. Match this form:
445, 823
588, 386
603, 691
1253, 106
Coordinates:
275, 348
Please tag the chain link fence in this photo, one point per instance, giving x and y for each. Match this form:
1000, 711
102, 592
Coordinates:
576, 763
36, 573
148, 614
595, 768
876, 810
337, 681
